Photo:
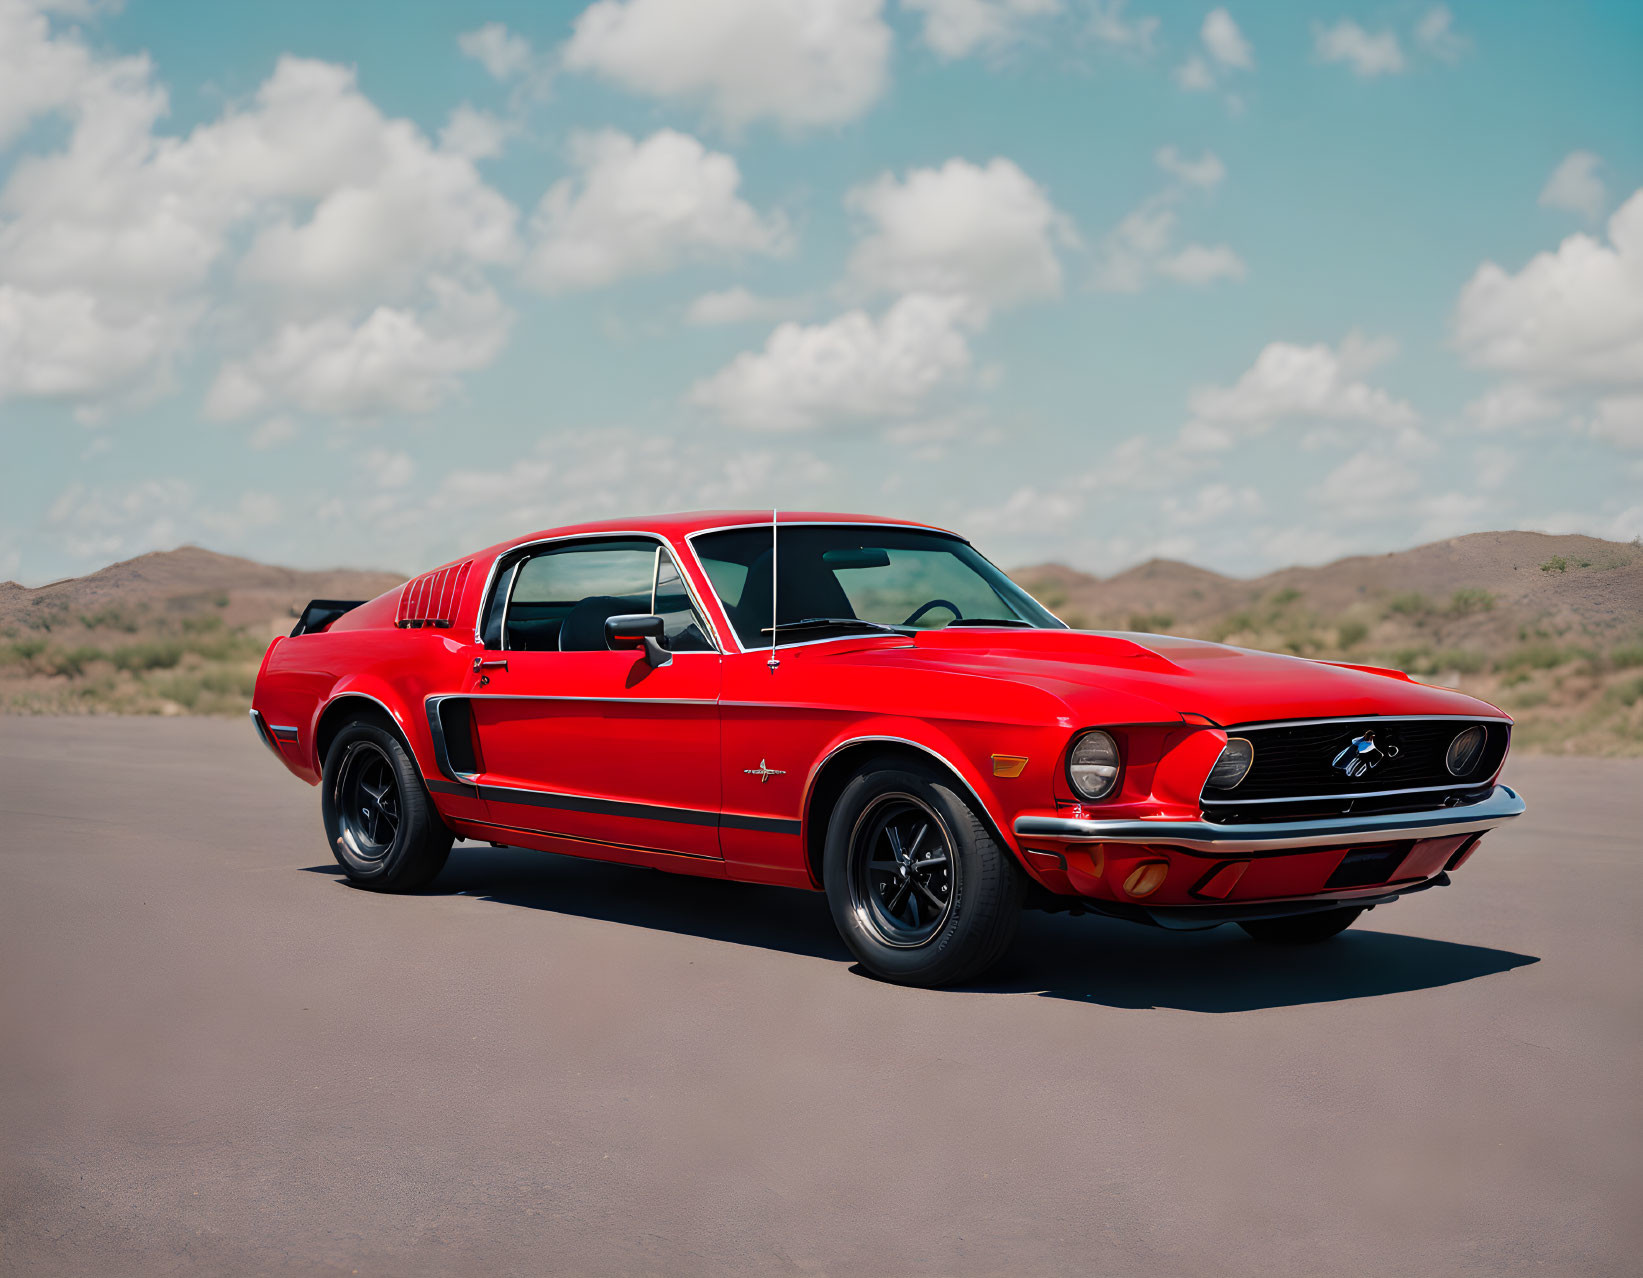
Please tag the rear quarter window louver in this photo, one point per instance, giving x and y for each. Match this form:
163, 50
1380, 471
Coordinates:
431, 599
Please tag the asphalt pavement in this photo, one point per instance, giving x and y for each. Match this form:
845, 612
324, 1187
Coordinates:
217, 1057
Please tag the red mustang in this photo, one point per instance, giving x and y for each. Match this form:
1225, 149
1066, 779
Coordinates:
869, 708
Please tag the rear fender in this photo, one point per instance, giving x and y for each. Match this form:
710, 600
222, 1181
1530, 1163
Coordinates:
362, 690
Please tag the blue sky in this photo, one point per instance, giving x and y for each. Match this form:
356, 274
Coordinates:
373, 284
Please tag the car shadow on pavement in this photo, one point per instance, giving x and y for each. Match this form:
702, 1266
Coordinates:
1087, 959
1120, 964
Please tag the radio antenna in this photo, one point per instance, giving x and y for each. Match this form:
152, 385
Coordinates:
773, 663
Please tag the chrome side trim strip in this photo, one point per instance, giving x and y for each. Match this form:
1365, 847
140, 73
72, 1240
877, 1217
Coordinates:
625, 808
1501, 806
261, 725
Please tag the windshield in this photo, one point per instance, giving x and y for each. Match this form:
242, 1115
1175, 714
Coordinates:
838, 578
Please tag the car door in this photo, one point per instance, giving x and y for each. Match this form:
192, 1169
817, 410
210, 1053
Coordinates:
594, 745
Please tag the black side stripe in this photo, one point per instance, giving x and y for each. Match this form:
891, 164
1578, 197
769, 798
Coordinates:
614, 807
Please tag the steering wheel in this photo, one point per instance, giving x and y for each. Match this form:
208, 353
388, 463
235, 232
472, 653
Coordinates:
934, 603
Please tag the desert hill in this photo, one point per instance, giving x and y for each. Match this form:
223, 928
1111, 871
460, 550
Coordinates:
1548, 627
188, 579
1564, 584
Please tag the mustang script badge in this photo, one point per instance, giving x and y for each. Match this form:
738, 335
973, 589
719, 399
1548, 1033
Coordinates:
764, 773
1363, 755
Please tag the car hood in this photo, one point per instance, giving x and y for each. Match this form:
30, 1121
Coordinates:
1123, 677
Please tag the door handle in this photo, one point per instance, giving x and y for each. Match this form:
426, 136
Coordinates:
497, 663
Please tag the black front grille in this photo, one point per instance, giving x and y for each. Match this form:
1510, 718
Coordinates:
1296, 761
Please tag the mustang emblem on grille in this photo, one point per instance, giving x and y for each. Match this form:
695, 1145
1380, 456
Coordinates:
1364, 755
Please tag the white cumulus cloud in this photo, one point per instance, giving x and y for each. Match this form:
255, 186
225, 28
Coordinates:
988, 232
958, 28
1290, 382
640, 207
1572, 316
1225, 42
1576, 186
1368, 55
802, 63
855, 367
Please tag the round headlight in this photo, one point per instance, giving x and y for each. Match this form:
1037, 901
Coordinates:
1465, 751
1233, 765
1092, 767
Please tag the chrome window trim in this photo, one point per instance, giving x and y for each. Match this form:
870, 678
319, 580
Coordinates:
690, 540
658, 538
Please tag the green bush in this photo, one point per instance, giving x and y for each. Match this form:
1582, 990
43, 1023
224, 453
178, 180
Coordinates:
1352, 632
111, 618
157, 654
1533, 656
27, 649
1628, 693
1626, 657
69, 661
1283, 598
1468, 600
1557, 563
1151, 622
1409, 604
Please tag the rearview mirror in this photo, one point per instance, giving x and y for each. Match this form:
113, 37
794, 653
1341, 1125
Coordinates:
857, 557
638, 630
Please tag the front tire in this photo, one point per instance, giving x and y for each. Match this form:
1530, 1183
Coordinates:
382, 827
920, 890
1303, 929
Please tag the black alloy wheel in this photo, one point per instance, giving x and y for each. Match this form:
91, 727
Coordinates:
381, 822
901, 882
920, 888
367, 801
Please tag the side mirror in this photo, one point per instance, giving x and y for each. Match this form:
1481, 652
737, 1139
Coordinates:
638, 630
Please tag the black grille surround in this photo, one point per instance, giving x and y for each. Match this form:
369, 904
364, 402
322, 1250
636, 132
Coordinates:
1294, 772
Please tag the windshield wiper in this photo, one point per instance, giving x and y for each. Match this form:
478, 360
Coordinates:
825, 623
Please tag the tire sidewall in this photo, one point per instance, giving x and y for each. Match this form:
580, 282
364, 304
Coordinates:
388, 868
949, 952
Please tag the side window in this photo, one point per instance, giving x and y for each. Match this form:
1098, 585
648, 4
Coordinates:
559, 599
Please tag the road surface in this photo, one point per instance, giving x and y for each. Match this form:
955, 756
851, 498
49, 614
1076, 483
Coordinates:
219, 1058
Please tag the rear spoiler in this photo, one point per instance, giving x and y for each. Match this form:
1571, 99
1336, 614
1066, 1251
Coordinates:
320, 613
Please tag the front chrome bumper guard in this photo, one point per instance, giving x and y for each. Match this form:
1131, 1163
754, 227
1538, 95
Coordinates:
1501, 806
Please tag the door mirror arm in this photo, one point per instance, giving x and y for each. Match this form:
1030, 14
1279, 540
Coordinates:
638, 630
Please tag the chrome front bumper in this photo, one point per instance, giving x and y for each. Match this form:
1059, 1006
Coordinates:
1501, 806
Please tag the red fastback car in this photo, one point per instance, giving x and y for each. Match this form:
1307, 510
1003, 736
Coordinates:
868, 708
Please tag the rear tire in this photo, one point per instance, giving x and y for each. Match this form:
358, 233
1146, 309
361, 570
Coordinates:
1303, 929
382, 827
920, 890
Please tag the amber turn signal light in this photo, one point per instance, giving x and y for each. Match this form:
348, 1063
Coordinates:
1008, 765
1146, 878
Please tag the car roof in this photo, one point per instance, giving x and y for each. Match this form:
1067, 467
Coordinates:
684, 523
